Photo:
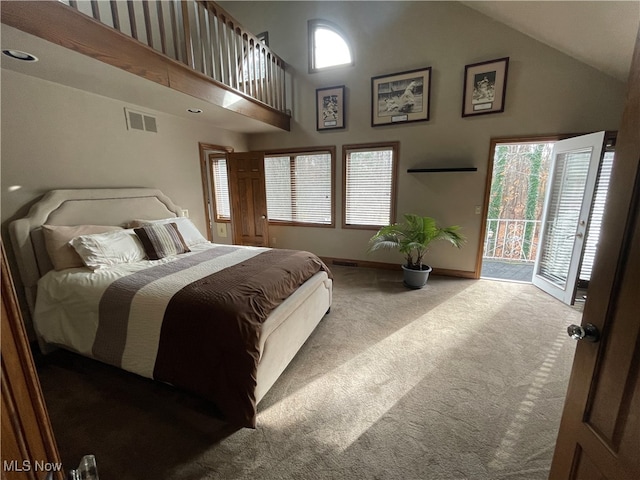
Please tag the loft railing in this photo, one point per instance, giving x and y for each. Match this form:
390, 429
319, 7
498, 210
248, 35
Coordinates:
511, 239
201, 35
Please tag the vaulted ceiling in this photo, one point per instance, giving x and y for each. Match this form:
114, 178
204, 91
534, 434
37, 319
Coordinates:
599, 33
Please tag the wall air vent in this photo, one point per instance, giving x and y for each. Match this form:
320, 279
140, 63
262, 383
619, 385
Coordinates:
140, 121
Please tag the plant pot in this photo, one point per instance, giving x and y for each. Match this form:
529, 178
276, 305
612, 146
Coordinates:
416, 278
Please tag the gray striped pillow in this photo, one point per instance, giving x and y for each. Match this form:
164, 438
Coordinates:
161, 240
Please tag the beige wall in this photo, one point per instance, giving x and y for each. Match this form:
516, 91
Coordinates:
59, 137
547, 92
54, 136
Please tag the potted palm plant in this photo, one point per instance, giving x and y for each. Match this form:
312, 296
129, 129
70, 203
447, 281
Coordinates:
412, 238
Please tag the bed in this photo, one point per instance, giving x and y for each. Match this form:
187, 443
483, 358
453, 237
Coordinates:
153, 297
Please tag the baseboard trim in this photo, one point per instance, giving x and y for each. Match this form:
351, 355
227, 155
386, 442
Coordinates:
346, 262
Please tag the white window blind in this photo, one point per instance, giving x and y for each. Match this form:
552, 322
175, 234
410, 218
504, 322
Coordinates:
597, 214
299, 188
220, 188
565, 202
369, 186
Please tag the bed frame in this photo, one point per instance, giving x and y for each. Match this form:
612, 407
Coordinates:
282, 335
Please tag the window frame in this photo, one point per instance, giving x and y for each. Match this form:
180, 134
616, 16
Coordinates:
214, 203
314, 24
208, 186
292, 152
346, 149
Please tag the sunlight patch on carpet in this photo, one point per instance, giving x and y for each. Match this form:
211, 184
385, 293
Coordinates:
347, 405
504, 455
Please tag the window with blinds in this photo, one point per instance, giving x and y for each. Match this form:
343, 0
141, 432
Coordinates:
370, 177
220, 189
300, 188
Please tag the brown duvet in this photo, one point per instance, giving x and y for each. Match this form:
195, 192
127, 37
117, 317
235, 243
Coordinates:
210, 331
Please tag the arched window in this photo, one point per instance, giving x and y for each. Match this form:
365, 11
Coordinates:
328, 46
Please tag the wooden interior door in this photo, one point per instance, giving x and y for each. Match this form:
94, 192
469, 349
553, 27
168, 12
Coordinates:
28, 447
599, 434
248, 194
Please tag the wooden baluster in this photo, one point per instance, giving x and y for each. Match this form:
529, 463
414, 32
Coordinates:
95, 11
245, 64
206, 39
114, 14
237, 57
254, 69
188, 41
227, 56
174, 31
163, 40
269, 81
200, 10
283, 89
257, 70
274, 82
218, 45
262, 64
251, 68
231, 48
213, 41
221, 47
275, 86
147, 22
132, 19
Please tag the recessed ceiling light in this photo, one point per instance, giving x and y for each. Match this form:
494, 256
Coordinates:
18, 55
194, 110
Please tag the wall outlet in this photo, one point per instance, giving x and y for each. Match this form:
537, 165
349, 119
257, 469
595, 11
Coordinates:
478, 209
185, 212
273, 240
221, 228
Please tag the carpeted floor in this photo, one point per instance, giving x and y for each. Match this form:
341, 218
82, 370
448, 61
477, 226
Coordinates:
463, 379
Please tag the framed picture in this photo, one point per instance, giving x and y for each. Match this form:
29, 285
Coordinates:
485, 86
401, 97
330, 108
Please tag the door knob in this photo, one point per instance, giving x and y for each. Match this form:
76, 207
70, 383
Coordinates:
589, 332
263, 217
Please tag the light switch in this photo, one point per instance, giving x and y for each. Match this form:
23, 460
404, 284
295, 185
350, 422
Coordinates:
221, 228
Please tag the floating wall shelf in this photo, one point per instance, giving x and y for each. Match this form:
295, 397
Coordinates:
448, 169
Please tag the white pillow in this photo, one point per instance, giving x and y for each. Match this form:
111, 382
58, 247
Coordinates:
190, 234
103, 250
57, 238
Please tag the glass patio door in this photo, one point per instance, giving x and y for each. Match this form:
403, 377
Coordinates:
574, 170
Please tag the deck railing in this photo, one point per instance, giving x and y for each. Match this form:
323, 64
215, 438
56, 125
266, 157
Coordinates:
511, 239
201, 35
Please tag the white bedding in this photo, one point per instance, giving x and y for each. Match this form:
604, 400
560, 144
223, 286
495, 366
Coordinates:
67, 305
66, 311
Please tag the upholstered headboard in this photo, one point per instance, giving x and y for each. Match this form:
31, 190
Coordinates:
104, 206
